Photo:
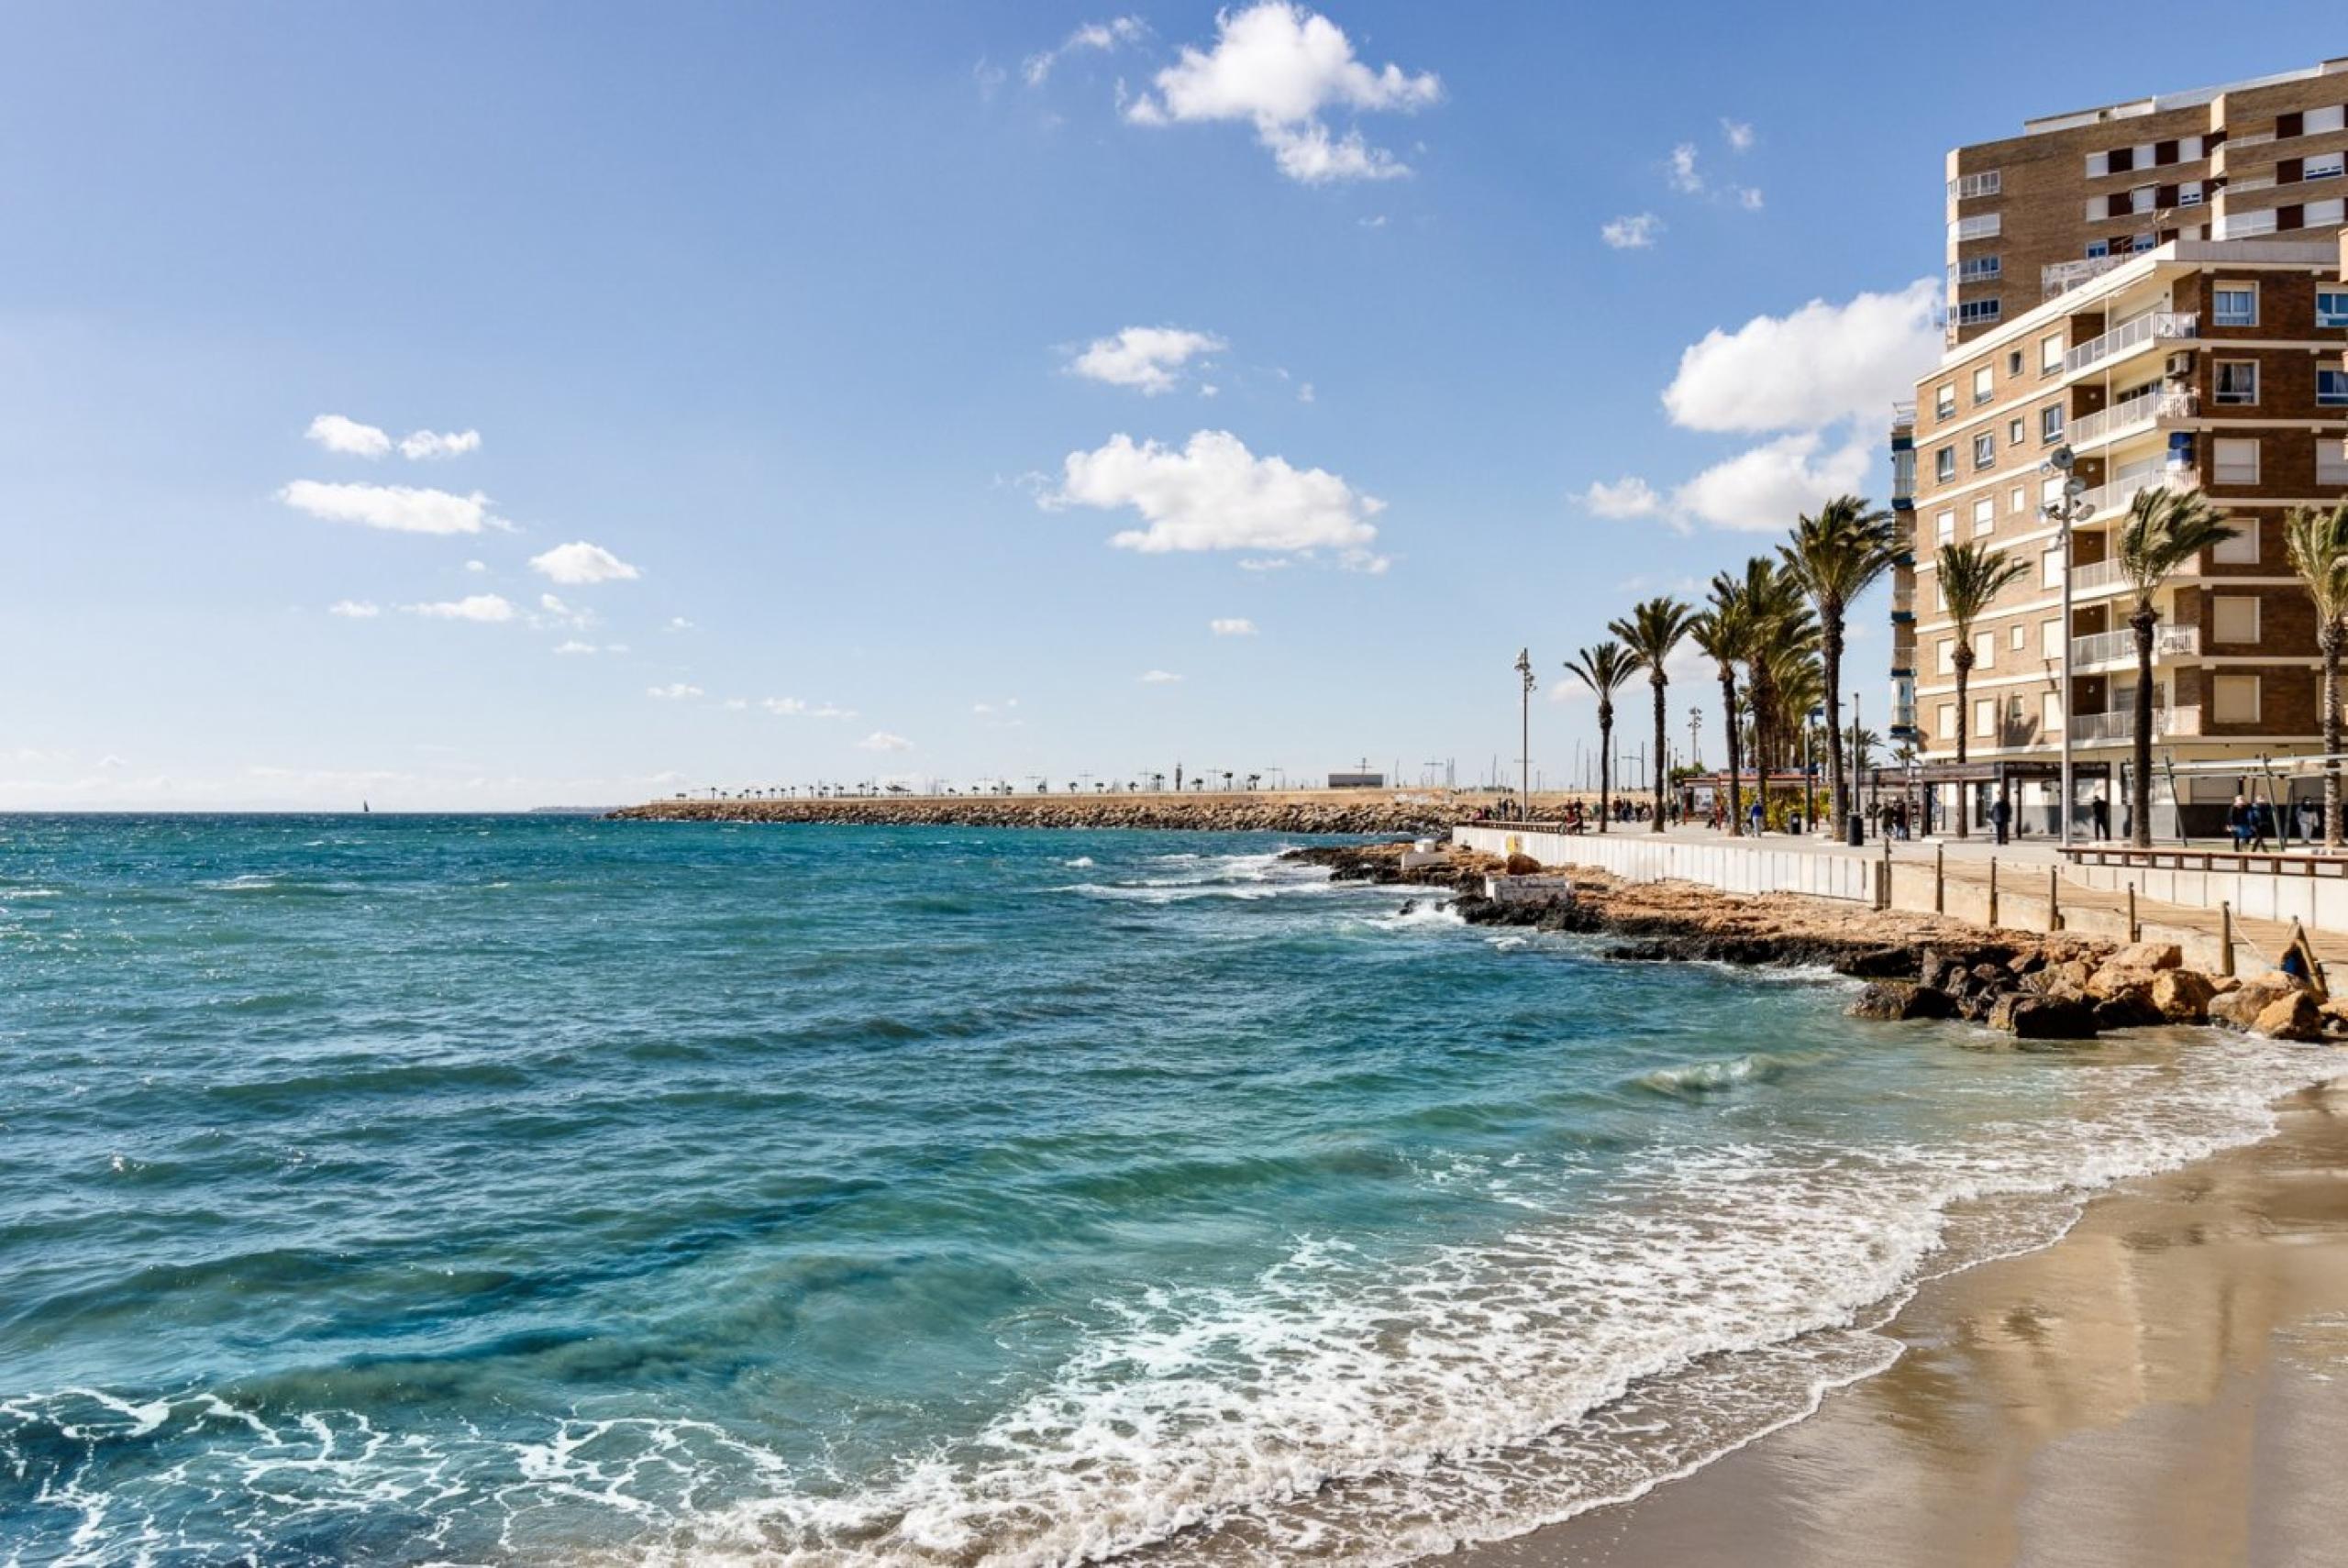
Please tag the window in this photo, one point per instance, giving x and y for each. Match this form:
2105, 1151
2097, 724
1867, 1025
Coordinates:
2018, 500
2189, 194
1985, 514
2322, 166
2050, 422
1945, 401
2317, 122
2020, 639
2050, 638
2332, 388
1945, 526
2234, 618
2235, 305
2331, 307
1984, 649
1979, 268
1945, 464
1985, 718
1971, 313
1988, 182
2014, 714
2013, 362
2243, 549
2014, 428
2143, 242
1981, 226
2098, 248
1985, 449
2234, 699
2330, 463
2050, 348
2237, 459
1985, 384
1948, 721
2050, 569
2237, 380
2050, 709
1948, 656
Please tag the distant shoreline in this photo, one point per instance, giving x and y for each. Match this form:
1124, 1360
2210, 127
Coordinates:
1296, 811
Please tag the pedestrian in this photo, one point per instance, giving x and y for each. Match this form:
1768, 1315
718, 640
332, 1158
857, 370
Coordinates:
2238, 822
2100, 813
1756, 814
2262, 822
2310, 820
2002, 815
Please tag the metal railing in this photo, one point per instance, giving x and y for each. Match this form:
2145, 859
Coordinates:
2250, 182
2108, 498
2098, 577
2123, 417
2119, 647
2121, 725
2153, 326
2058, 278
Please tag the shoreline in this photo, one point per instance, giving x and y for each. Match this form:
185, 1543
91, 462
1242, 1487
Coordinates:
2163, 1384
1415, 812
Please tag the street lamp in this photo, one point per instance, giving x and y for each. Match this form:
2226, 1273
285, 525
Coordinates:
1524, 734
2065, 514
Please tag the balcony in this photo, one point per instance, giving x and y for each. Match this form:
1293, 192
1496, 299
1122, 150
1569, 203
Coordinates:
1903, 598
2115, 497
2093, 728
2154, 327
2134, 414
2099, 578
2250, 182
2110, 648
2245, 226
2059, 278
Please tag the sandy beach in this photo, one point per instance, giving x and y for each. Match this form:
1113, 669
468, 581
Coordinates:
2166, 1386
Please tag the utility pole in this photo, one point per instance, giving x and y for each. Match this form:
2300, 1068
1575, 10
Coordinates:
1524, 735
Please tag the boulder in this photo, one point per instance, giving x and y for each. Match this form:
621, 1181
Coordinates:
1892, 1001
2241, 1007
2074, 973
2182, 996
2292, 1016
2130, 1008
2026, 1017
2149, 955
2116, 978
1523, 866
1878, 964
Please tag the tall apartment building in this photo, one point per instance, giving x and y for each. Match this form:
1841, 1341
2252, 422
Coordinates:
2213, 365
2077, 195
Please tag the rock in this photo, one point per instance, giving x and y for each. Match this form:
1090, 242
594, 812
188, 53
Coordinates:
1892, 1001
1975, 1007
2292, 1016
1523, 866
2026, 1017
2241, 1007
2149, 955
1878, 964
2074, 973
2115, 978
2182, 996
2130, 1008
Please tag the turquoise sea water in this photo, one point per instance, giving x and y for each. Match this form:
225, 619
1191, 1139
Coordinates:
532, 1190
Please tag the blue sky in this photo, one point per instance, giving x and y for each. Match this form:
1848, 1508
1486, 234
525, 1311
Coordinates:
894, 391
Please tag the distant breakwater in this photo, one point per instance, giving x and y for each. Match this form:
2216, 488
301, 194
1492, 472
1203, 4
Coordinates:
1320, 813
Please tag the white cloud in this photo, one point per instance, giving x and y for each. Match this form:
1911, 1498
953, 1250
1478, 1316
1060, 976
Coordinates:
1684, 177
355, 609
348, 437
1635, 232
1765, 489
1262, 563
485, 608
675, 691
395, 507
1739, 134
1821, 363
579, 563
1375, 221
1159, 677
1748, 198
1278, 67
1101, 36
424, 445
1231, 626
882, 740
988, 710
1304, 392
1215, 494
1629, 496
574, 647
476, 565
679, 623
1148, 358
800, 708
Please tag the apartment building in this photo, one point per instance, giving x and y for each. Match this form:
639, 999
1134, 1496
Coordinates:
2077, 195
2215, 365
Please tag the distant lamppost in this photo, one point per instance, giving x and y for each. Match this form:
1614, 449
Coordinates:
1524, 734
1696, 739
2065, 514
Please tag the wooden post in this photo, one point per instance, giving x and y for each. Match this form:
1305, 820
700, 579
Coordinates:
2225, 937
1993, 889
2135, 931
2054, 899
1940, 878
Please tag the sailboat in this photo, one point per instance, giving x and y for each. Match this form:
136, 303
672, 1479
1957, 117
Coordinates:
365, 809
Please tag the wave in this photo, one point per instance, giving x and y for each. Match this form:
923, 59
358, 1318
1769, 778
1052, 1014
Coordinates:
1699, 1078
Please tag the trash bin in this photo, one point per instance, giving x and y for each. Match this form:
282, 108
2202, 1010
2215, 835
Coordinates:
1855, 831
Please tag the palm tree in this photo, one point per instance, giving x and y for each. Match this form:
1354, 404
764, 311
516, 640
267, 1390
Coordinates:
2317, 543
1604, 669
1652, 629
1971, 575
1834, 557
2164, 529
1723, 630
1777, 618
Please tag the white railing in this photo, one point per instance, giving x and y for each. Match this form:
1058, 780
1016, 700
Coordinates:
2116, 647
2250, 182
2124, 416
2250, 138
2121, 725
2244, 226
2108, 498
2061, 277
2153, 326
2099, 575
1982, 226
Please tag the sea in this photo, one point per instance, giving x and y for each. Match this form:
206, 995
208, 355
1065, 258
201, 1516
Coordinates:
515, 1189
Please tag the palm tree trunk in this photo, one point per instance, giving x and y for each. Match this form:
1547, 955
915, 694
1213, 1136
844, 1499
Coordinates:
1964, 677
2330, 639
2140, 788
1658, 756
1605, 763
1831, 627
1735, 789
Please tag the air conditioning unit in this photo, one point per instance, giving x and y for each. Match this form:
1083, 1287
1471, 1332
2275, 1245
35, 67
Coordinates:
2181, 362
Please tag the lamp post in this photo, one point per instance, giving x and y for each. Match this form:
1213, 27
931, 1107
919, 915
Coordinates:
1524, 734
2065, 514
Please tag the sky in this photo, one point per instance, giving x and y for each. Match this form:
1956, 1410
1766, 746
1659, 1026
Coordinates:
454, 406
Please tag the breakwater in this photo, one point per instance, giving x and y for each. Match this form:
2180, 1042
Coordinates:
1316, 811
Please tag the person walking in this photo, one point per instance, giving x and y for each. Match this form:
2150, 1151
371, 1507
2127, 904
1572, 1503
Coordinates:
2238, 822
2099, 814
2001, 816
2310, 820
2262, 822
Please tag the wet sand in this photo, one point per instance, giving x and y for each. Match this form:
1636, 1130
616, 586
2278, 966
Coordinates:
2165, 1386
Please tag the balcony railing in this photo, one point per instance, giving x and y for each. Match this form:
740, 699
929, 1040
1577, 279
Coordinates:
2122, 418
2101, 576
2109, 499
2249, 183
2058, 278
2121, 725
2153, 326
2119, 647
2245, 226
